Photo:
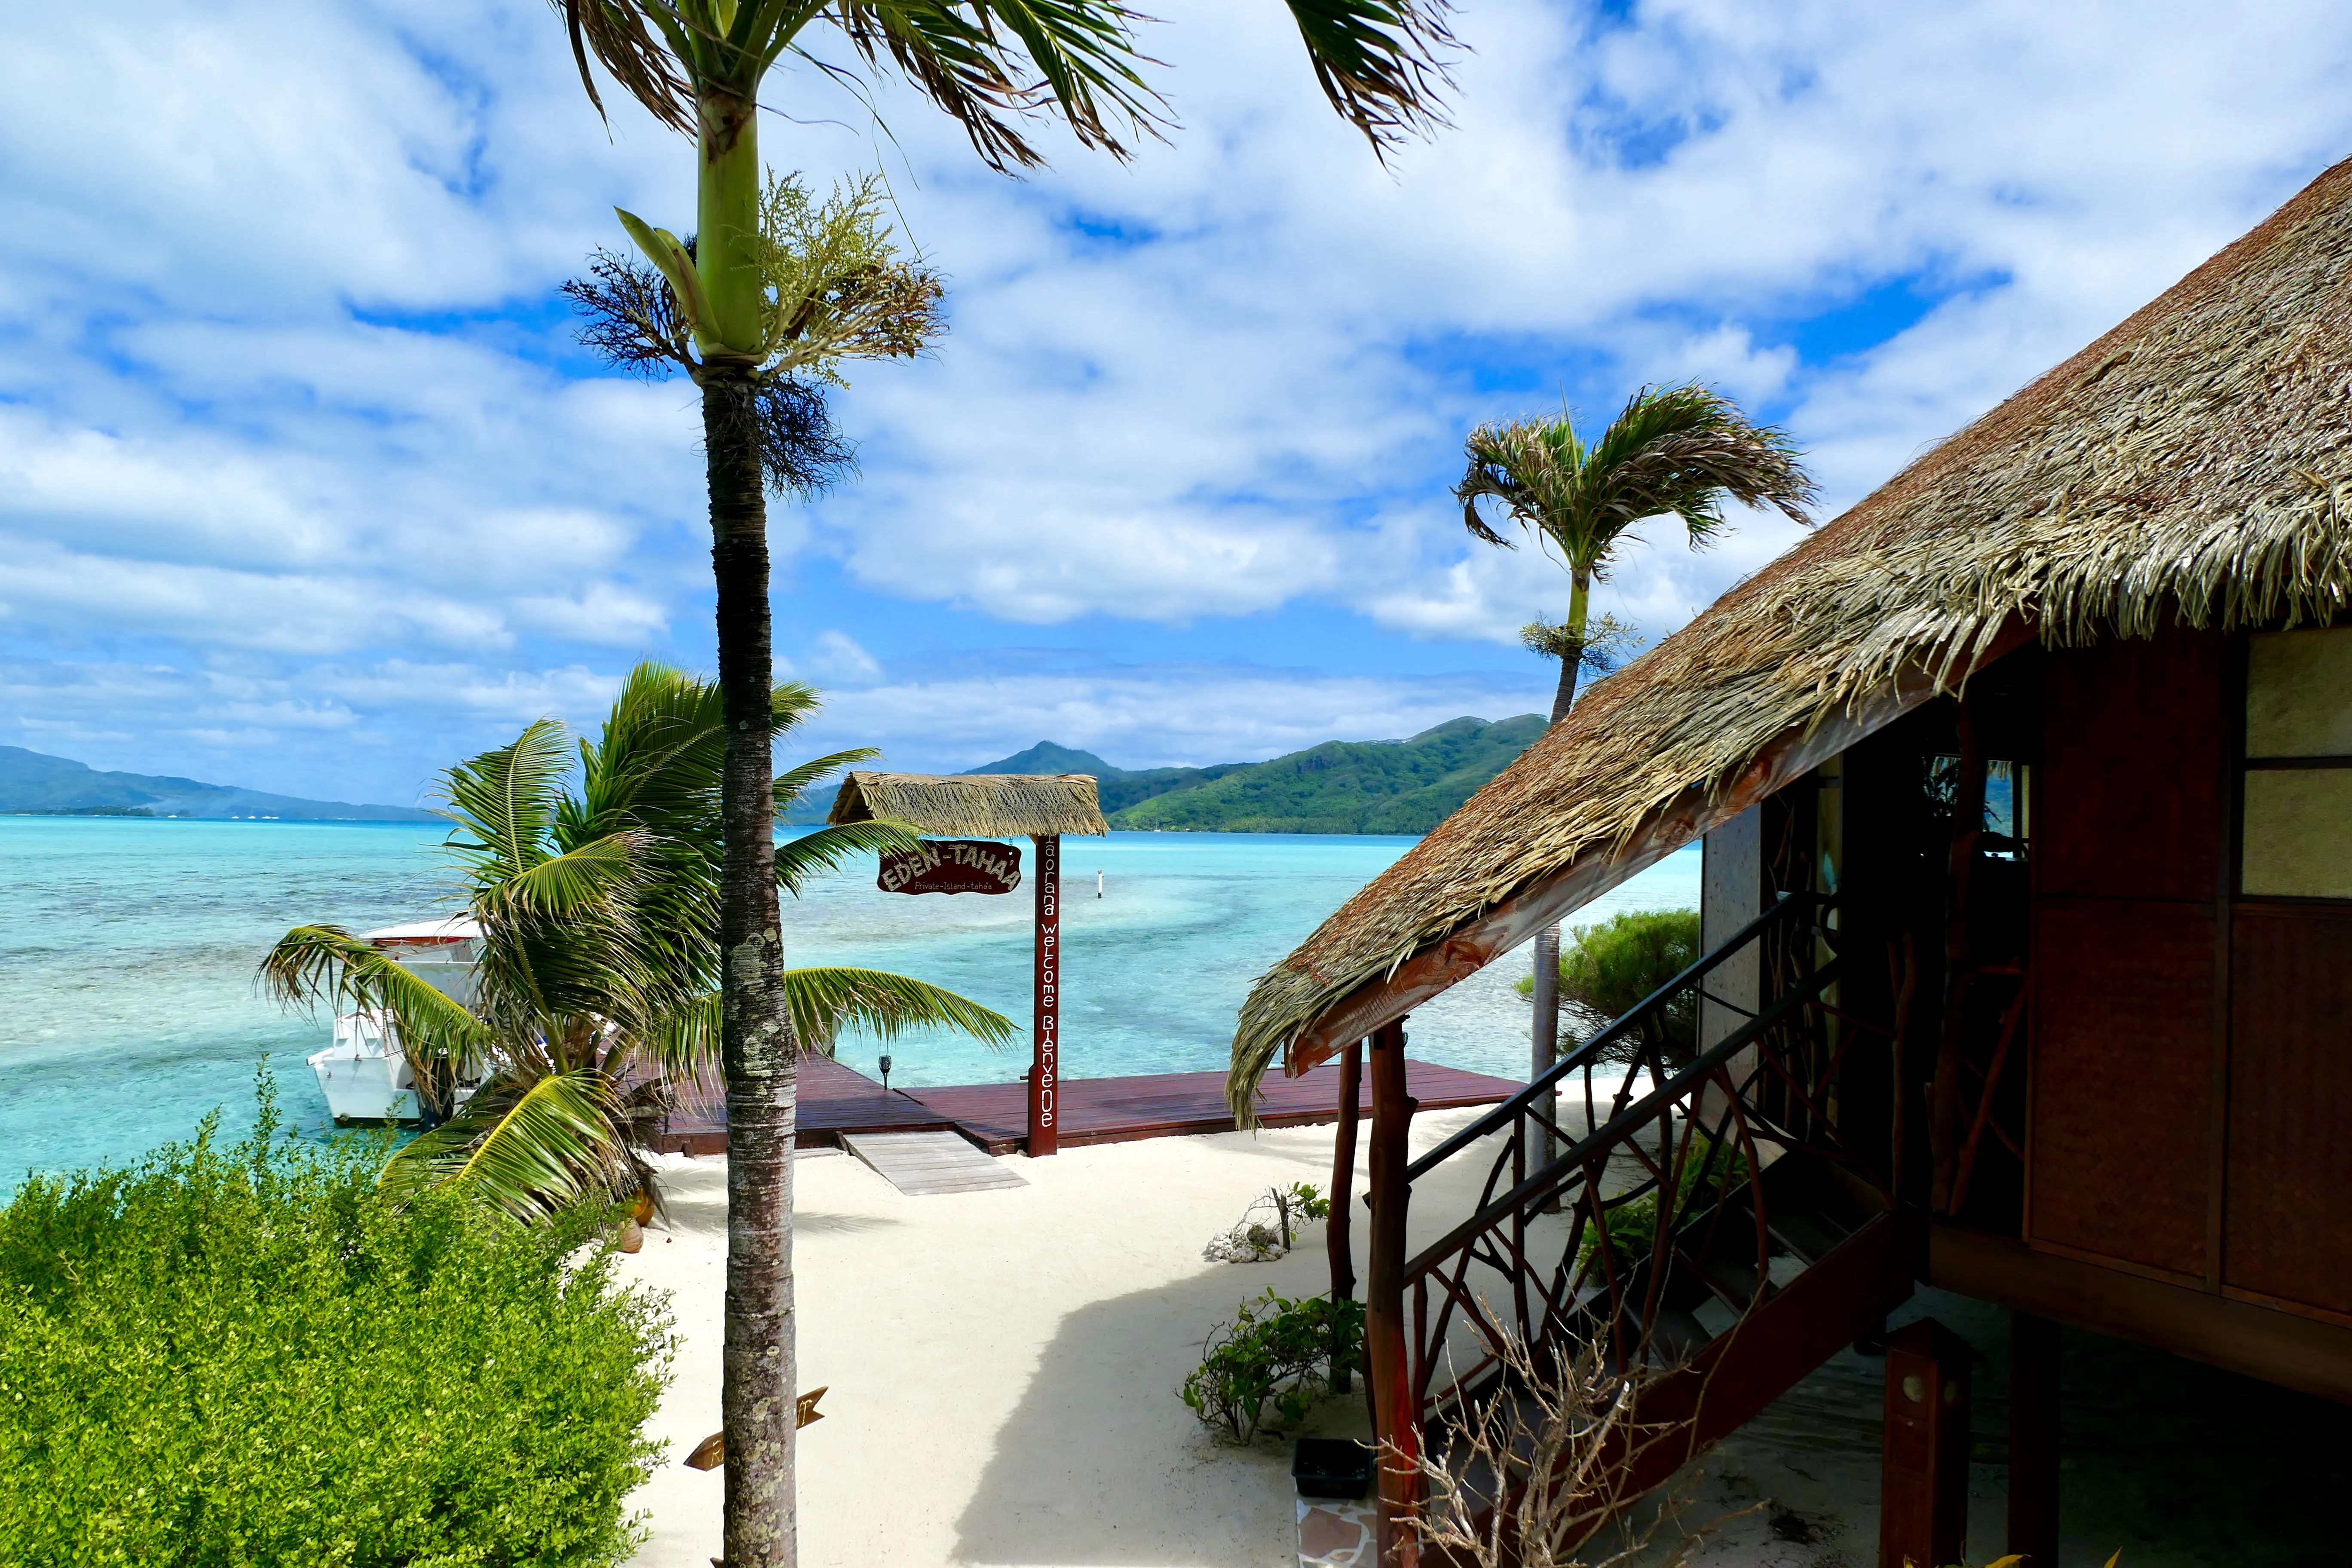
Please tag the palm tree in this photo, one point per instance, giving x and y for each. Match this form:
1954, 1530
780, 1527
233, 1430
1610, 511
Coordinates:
1677, 450
596, 984
994, 66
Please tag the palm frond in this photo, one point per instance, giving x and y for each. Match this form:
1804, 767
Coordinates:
825, 1002
590, 877
527, 1142
829, 848
1383, 66
684, 1042
617, 33
1077, 56
506, 800
794, 783
325, 965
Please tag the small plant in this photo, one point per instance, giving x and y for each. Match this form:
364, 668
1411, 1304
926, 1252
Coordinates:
1265, 1370
1269, 1228
1633, 1227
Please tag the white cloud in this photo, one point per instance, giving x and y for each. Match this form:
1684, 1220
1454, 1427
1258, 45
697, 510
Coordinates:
282, 390
837, 656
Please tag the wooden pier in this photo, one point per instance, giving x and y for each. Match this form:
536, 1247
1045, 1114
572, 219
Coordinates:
835, 1100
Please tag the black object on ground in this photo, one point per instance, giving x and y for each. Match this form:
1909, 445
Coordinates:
1331, 1467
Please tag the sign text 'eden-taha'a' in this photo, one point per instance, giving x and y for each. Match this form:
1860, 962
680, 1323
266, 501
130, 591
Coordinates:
951, 866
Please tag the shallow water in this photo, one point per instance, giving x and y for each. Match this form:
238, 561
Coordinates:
128, 950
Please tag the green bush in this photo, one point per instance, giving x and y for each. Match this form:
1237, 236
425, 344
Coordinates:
246, 1356
1277, 1353
1607, 970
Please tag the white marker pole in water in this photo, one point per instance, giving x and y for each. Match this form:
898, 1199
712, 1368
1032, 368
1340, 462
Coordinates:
1098, 884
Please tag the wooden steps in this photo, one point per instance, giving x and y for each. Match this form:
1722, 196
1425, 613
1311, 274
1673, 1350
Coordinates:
924, 1165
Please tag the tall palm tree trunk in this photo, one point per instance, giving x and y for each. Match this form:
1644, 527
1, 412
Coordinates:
759, 1378
1571, 653
761, 1055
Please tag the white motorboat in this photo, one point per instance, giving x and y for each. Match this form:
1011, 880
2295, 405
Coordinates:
364, 1073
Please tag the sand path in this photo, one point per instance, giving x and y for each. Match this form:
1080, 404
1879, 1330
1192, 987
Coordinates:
1003, 1365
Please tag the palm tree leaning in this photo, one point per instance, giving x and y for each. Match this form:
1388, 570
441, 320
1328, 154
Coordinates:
595, 991
994, 66
1678, 451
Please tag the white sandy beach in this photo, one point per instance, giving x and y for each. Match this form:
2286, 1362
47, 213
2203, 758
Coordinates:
1002, 1370
1003, 1365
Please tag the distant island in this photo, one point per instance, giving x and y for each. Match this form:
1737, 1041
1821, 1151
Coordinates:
1340, 786
33, 783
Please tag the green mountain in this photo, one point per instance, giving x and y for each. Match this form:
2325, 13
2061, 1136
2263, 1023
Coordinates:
32, 783
1340, 786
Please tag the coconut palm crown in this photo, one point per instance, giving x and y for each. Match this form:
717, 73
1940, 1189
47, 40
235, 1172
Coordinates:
1678, 451
594, 880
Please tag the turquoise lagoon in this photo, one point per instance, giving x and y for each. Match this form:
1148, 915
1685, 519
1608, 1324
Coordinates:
128, 1008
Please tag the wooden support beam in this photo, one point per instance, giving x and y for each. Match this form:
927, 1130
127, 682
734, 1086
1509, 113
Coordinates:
1396, 1413
1335, 1240
1045, 1042
2033, 1439
1923, 1519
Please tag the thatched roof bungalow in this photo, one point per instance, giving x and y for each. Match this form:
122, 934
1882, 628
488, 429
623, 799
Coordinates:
2026, 792
2195, 463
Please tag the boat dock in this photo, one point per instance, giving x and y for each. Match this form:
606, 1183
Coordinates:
835, 1100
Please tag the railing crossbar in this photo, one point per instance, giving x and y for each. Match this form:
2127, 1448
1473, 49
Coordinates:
1593, 1147
1591, 1050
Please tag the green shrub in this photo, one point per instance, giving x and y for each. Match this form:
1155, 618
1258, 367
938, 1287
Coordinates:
1276, 1353
246, 1356
1607, 970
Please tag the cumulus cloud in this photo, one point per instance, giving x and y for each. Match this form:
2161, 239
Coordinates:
288, 405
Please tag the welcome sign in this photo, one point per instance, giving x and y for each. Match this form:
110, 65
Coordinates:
951, 866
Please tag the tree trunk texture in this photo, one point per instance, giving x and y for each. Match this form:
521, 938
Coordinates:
761, 1055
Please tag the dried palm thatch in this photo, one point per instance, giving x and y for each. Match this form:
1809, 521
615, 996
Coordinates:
979, 805
2194, 464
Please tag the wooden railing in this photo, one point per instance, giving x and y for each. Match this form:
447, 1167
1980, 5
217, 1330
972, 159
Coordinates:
1653, 1222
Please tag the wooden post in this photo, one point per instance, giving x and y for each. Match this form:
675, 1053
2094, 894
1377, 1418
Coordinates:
2033, 1439
1396, 1413
1923, 1519
1046, 1043
1951, 1040
1343, 1191
1543, 1039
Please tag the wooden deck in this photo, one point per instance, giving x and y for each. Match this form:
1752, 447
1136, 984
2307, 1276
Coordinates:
1170, 1104
834, 1100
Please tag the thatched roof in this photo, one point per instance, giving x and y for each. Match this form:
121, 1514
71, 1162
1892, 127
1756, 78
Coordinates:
2196, 461
980, 806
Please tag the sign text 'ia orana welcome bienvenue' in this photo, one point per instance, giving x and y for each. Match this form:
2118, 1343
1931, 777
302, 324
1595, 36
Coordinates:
951, 866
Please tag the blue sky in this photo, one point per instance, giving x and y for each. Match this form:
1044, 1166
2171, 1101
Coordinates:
304, 485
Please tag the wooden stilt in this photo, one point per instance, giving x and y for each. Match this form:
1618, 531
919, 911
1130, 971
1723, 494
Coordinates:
1924, 1485
1396, 1415
1045, 1046
2033, 1439
1336, 1241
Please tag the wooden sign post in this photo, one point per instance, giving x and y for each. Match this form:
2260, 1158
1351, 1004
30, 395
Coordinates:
1045, 1044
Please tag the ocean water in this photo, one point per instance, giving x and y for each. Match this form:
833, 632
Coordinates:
128, 1008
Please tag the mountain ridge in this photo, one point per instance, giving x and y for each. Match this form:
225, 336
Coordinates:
1404, 786
35, 783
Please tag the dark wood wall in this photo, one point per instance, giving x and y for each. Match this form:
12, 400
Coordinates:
2130, 902
2192, 1089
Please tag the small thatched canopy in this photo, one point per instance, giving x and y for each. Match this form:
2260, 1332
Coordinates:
976, 806
2196, 462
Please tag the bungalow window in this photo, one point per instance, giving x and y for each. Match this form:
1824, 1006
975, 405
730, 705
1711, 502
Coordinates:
2295, 833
